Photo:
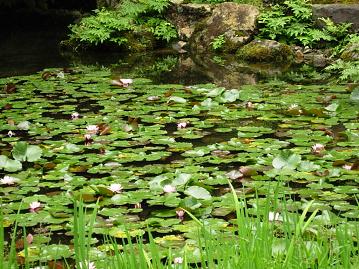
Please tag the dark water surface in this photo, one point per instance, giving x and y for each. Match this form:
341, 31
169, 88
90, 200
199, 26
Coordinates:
30, 43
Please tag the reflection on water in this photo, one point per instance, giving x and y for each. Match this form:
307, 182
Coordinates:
26, 48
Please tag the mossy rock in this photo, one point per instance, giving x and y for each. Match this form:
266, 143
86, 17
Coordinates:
266, 51
351, 52
235, 23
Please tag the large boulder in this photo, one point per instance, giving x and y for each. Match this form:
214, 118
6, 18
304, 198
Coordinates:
338, 13
268, 51
185, 16
233, 23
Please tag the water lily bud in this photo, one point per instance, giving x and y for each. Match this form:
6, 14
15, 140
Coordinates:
180, 214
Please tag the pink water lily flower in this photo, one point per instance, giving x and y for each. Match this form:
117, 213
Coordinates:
347, 167
178, 260
35, 206
169, 188
182, 125
29, 239
318, 148
116, 188
9, 180
180, 214
92, 129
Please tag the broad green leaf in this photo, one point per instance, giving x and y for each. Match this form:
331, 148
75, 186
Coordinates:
25, 152
181, 179
286, 160
9, 165
230, 96
198, 193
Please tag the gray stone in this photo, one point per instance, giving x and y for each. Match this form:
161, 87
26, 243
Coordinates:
185, 16
316, 58
351, 52
235, 22
338, 13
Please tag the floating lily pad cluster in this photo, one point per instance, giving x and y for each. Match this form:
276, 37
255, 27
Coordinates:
144, 152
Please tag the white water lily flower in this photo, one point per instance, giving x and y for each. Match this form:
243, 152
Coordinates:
169, 188
126, 81
75, 115
61, 75
293, 106
178, 260
117, 188
10, 133
8, 180
92, 129
87, 265
274, 216
318, 148
234, 174
34, 206
249, 105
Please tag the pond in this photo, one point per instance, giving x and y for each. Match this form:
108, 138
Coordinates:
146, 150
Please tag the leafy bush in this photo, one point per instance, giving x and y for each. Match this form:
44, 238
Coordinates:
347, 71
292, 22
112, 26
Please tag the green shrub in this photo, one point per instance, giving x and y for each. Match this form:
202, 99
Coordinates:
112, 26
292, 23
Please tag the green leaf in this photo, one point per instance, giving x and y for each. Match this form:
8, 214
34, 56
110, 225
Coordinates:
9, 165
230, 96
25, 152
286, 160
198, 193
181, 179
177, 99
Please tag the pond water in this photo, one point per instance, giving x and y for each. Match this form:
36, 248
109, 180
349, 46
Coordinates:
146, 150
171, 146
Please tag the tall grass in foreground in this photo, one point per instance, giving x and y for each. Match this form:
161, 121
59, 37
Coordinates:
266, 241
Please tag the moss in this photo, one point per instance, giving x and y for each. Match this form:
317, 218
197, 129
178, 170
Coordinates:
266, 51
